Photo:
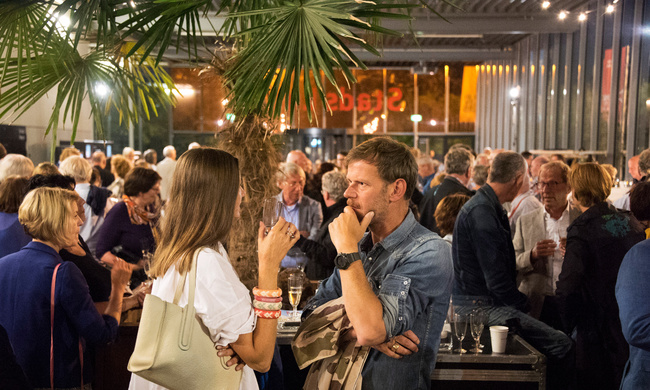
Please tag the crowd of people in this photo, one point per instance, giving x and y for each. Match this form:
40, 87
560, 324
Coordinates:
391, 234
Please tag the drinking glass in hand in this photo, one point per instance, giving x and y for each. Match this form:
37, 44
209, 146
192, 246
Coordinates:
295, 292
477, 323
460, 329
271, 213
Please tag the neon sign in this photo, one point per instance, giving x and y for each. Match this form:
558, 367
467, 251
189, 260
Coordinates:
365, 100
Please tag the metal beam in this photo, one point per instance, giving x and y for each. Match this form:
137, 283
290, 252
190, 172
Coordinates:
484, 24
434, 54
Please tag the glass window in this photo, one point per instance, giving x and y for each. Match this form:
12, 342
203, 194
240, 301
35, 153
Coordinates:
370, 100
201, 104
431, 88
606, 85
589, 73
573, 90
643, 102
399, 101
342, 106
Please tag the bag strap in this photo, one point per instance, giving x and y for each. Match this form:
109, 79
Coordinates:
81, 350
53, 286
185, 335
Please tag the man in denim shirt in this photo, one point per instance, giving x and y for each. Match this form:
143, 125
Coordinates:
397, 295
484, 265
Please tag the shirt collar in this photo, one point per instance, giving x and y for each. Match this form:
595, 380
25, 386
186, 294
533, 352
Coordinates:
393, 239
39, 246
565, 213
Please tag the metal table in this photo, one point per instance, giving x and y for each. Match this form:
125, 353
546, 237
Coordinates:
520, 363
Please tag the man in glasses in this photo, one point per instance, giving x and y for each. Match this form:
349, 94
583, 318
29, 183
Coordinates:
539, 242
299, 209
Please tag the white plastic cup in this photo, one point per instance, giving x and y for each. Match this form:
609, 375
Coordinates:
498, 336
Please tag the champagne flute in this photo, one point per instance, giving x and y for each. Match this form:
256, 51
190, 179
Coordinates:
477, 323
295, 292
271, 213
460, 329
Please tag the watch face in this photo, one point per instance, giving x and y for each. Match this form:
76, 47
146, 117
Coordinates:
344, 260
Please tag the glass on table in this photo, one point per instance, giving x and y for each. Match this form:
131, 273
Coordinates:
295, 283
478, 319
460, 329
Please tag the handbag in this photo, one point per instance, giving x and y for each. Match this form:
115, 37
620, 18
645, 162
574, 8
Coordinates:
173, 350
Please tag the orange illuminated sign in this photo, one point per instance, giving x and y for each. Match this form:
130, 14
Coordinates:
364, 100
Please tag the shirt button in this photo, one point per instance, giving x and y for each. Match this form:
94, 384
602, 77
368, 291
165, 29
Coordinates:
403, 293
406, 283
400, 318
369, 258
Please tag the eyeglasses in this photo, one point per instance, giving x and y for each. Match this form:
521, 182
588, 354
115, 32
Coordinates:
293, 184
550, 184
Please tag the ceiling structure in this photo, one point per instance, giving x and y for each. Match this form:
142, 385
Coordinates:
472, 31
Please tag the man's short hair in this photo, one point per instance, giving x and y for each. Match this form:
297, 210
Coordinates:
45, 211
168, 150
97, 157
150, 156
15, 164
458, 161
393, 161
591, 184
3, 151
480, 174
53, 181
640, 201
506, 166
78, 168
644, 162
425, 160
335, 184
559, 166
290, 169
526, 154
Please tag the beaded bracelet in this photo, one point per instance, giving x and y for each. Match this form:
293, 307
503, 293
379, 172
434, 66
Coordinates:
267, 293
267, 305
270, 314
268, 299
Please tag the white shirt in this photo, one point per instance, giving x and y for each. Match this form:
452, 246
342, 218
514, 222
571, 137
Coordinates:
166, 169
296, 259
555, 229
623, 202
90, 229
222, 303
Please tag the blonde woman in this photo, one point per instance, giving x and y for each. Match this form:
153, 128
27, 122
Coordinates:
49, 215
205, 198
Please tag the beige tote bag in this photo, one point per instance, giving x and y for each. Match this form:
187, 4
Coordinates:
174, 350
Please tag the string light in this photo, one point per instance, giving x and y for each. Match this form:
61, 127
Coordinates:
582, 17
546, 4
609, 9
562, 15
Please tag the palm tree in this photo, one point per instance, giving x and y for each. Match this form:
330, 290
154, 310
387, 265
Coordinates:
274, 41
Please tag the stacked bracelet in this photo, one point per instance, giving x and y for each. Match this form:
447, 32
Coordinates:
267, 293
268, 299
270, 314
267, 305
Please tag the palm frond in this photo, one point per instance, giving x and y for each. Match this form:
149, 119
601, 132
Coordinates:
299, 38
159, 24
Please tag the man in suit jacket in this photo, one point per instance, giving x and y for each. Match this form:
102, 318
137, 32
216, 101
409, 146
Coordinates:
458, 165
166, 169
539, 240
320, 249
299, 209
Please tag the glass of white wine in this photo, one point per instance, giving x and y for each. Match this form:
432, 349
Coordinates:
295, 292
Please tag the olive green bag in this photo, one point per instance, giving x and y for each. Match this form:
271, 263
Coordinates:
174, 350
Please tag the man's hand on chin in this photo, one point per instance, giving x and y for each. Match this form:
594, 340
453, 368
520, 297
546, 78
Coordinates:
346, 231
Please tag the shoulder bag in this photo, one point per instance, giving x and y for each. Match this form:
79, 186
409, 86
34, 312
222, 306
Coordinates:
172, 348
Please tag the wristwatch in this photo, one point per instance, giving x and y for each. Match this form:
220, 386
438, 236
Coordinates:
344, 260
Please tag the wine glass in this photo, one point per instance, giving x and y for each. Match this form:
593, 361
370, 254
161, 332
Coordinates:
271, 213
460, 329
295, 292
477, 323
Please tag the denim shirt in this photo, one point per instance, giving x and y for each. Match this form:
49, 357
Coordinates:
484, 258
411, 273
